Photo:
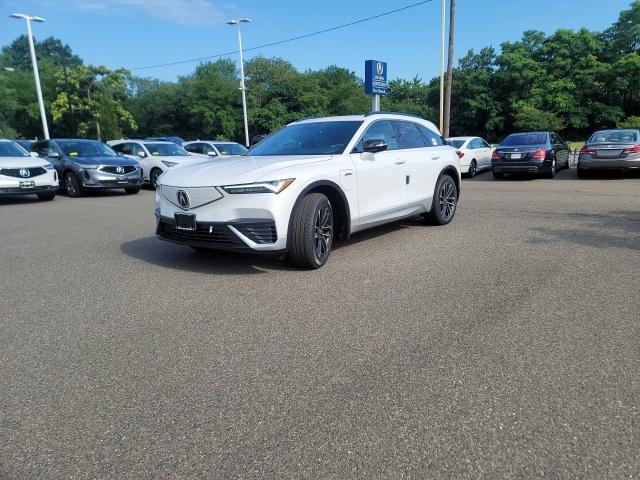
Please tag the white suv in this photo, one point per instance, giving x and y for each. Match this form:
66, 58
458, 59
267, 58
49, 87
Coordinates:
312, 182
155, 157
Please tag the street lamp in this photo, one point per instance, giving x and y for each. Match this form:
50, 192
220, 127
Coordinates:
237, 23
28, 19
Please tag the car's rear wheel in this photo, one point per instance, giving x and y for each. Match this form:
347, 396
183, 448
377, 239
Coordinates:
473, 169
153, 176
552, 171
46, 197
445, 201
131, 190
311, 235
72, 185
583, 173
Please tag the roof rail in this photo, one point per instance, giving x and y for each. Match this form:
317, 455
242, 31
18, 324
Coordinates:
393, 113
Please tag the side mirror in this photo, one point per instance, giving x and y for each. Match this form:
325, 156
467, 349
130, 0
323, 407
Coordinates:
53, 155
34, 154
212, 154
375, 145
142, 154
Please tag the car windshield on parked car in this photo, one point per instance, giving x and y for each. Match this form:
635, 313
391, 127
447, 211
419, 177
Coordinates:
230, 148
166, 150
308, 138
11, 149
518, 139
614, 136
85, 148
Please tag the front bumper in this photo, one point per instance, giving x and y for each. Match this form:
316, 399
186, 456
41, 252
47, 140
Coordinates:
96, 179
615, 164
521, 167
45, 183
10, 191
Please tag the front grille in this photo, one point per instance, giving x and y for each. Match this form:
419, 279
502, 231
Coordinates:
15, 172
111, 169
259, 232
208, 234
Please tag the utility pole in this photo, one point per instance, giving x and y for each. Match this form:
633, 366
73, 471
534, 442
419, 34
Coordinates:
237, 23
447, 95
442, 27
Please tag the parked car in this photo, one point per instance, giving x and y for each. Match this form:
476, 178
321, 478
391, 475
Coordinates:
610, 150
23, 174
310, 183
176, 140
531, 153
258, 138
155, 157
212, 148
26, 144
89, 165
474, 152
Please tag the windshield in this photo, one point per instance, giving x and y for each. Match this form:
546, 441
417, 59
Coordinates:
12, 149
614, 136
166, 150
524, 139
456, 143
313, 138
85, 148
230, 148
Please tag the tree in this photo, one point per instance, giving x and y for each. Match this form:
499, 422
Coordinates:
630, 122
529, 118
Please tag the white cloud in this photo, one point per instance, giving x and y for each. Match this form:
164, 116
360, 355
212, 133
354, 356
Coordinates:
186, 12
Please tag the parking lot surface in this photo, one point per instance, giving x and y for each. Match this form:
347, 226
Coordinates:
506, 344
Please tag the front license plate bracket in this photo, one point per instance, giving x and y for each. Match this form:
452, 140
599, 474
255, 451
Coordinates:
185, 221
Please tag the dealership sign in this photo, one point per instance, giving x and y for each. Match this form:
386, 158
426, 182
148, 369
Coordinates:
375, 77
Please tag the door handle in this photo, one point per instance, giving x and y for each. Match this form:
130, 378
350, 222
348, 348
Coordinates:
435, 157
400, 162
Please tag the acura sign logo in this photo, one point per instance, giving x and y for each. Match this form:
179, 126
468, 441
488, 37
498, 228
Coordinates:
380, 68
183, 199
120, 170
24, 172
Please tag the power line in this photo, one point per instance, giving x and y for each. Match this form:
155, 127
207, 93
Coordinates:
287, 40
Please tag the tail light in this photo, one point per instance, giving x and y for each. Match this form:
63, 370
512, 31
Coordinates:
460, 154
634, 149
495, 156
587, 150
539, 154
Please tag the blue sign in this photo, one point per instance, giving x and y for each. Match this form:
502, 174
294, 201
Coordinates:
375, 77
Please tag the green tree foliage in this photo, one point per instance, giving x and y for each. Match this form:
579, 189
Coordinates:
630, 122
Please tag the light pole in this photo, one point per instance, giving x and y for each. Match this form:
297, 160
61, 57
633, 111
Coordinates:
28, 19
237, 23
444, 14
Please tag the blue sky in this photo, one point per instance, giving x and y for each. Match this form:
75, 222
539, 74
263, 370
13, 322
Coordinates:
134, 33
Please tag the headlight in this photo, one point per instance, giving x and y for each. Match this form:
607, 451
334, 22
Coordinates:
273, 186
169, 164
48, 166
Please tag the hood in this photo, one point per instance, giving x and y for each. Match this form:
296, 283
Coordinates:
233, 170
22, 162
103, 160
178, 158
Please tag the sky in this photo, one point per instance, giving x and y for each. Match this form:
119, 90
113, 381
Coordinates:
138, 33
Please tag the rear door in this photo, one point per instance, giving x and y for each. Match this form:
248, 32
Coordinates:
485, 153
427, 165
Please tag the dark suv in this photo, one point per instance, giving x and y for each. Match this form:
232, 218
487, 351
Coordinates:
89, 165
531, 153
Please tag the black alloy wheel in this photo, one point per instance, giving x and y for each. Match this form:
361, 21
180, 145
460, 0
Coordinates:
473, 169
72, 185
445, 201
311, 232
153, 176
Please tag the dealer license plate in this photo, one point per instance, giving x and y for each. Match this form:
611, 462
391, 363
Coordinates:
185, 221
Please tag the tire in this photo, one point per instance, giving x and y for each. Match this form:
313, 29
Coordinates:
473, 169
311, 234
444, 203
72, 186
153, 176
131, 190
583, 173
46, 197
498, 175
551, 173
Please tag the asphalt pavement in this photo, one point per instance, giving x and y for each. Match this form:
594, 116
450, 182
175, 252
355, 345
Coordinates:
505, 345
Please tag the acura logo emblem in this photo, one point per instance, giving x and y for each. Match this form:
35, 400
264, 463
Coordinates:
120, 170
24, 172
183, 199
380, 68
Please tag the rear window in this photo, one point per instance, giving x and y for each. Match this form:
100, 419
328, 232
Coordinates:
614, 136
518, 139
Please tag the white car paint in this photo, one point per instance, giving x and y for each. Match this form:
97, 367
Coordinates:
211, 148
474, 148
140, 150
18, 175
378, 187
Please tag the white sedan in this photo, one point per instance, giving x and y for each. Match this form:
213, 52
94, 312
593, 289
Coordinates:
22, 174
214, 148
474, 152
155, 157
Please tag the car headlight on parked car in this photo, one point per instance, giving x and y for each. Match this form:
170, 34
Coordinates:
271, 186
169, 164
49, 166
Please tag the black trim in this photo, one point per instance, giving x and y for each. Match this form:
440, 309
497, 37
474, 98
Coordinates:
394, 113
27, 191
15, 172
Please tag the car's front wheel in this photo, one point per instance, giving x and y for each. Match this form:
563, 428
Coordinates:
131, 190
72, 185
311, 235
445, 201
153, 176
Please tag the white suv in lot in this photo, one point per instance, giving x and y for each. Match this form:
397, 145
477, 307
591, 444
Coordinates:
22, 174
311, 183
155, 157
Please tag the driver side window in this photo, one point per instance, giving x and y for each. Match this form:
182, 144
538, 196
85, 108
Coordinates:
381, 130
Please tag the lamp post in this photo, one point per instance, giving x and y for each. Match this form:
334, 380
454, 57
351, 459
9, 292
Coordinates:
28, 19
237, 23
